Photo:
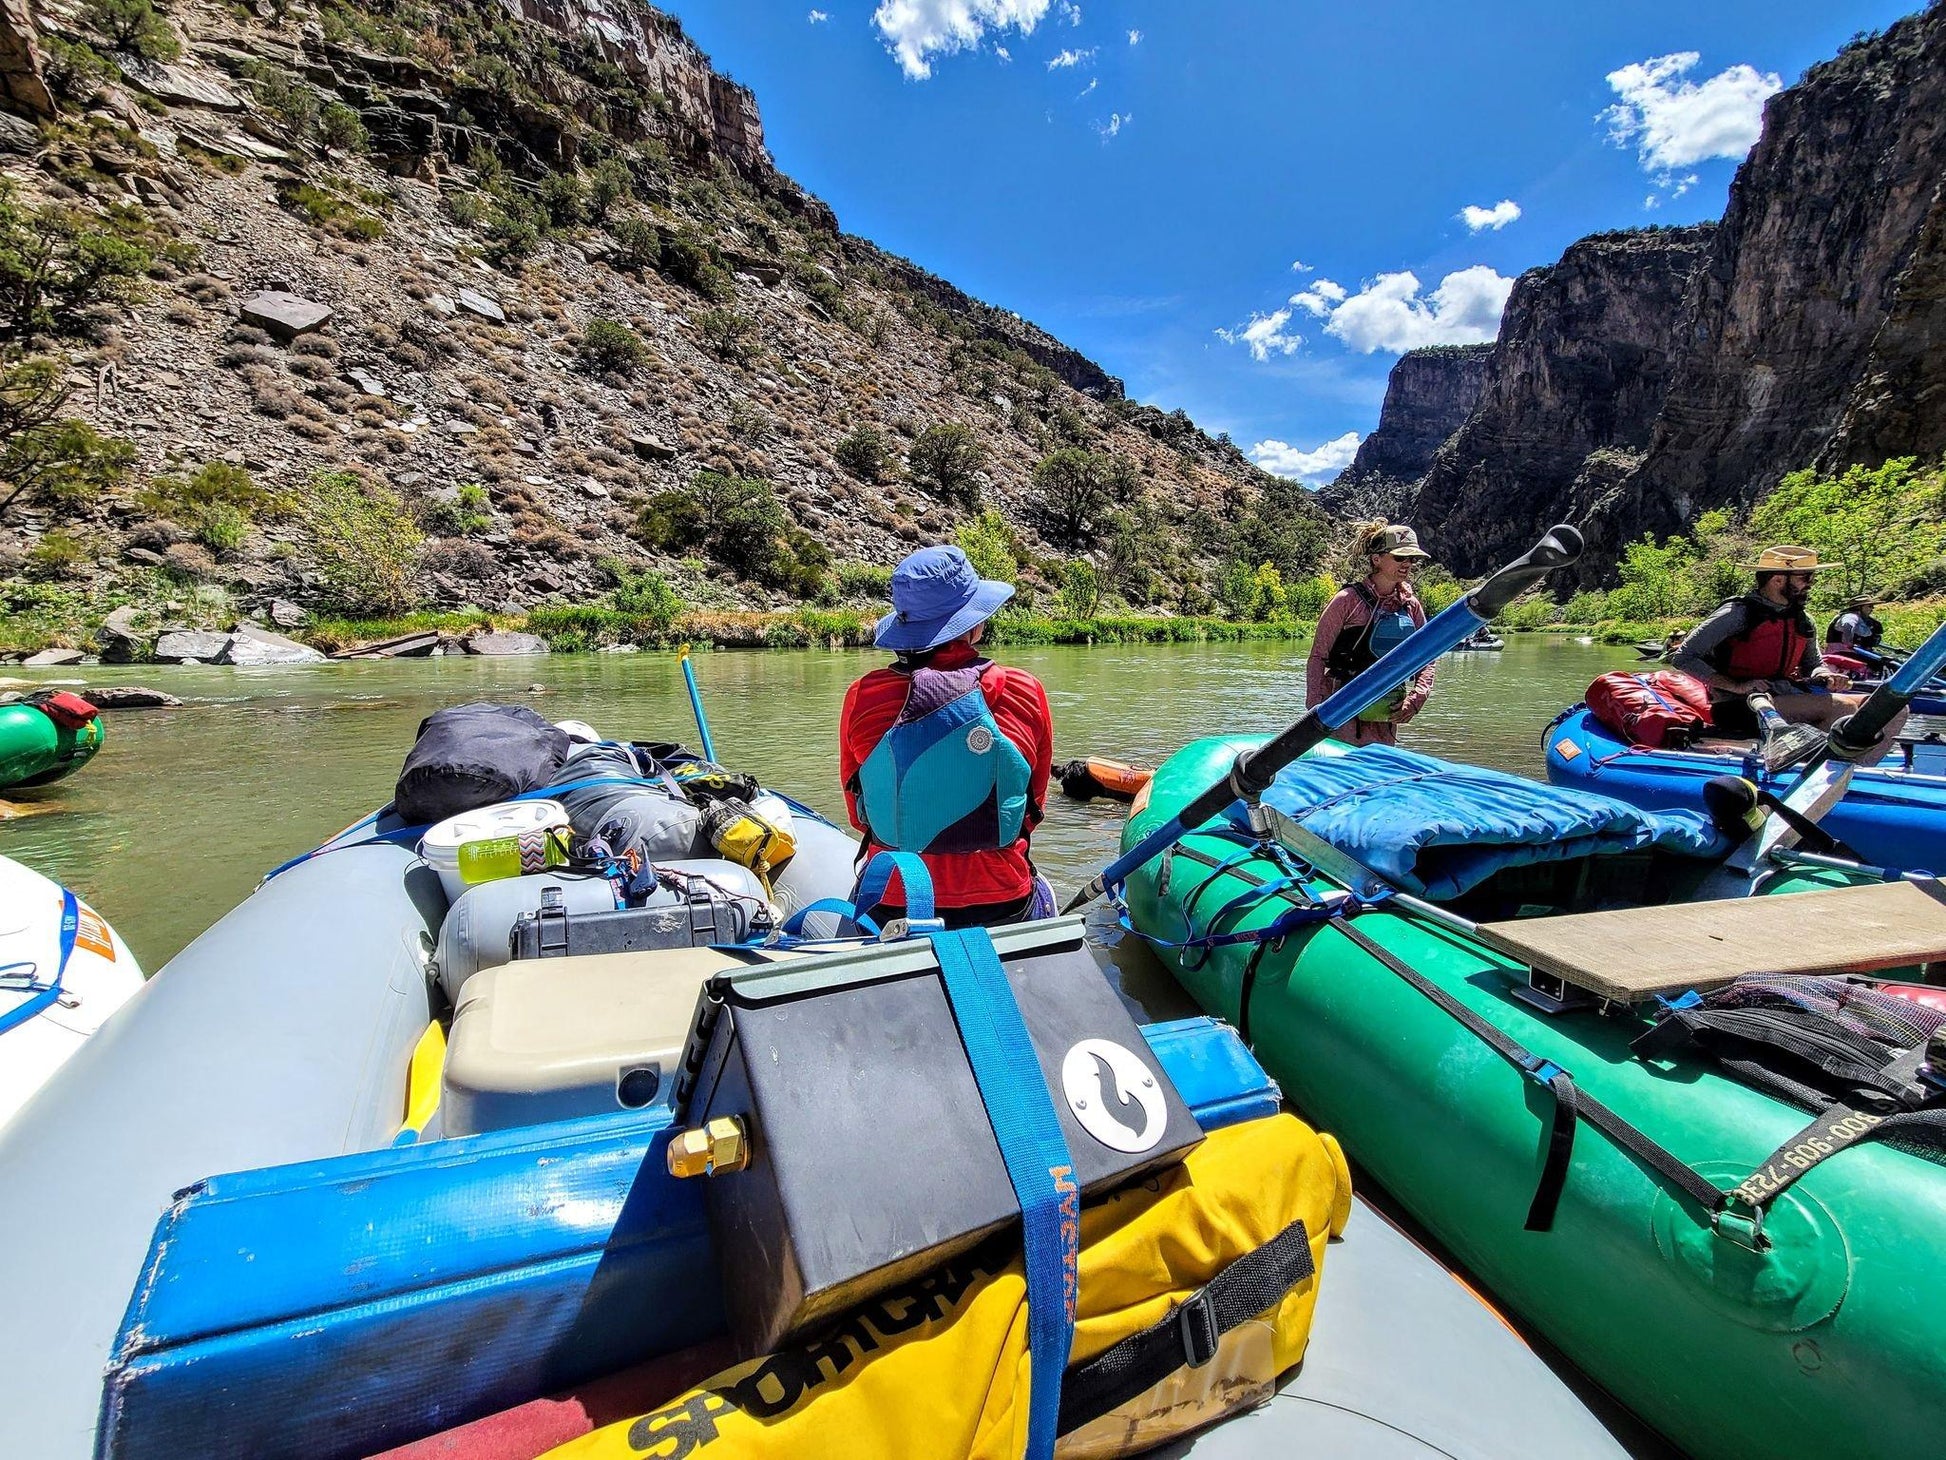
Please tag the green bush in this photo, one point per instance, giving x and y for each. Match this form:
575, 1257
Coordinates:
564, 199
1308, 596
340, 127
56, 262
465, 515
609, 347
1080, 591
739, 522
222, 528
638, 242
862, 453
728, 334
946, 458
609, 183
59, 554
365, 543
865, 580
75, 70
647, 595
1075, 489
990, 546
134, 26
693, 263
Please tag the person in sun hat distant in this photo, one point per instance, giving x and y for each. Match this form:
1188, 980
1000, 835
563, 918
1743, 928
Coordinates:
1365, 620
1855, 628
947, 754
1765, 643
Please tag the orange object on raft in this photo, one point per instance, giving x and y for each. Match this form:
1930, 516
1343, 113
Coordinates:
1096, 775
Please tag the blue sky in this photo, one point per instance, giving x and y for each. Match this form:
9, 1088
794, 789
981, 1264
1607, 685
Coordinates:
1144, 178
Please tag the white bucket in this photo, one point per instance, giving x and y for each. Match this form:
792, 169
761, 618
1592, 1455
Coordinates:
440, 846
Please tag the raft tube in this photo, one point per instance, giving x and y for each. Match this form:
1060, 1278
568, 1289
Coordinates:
1819, 1346
1892, 816
35, 751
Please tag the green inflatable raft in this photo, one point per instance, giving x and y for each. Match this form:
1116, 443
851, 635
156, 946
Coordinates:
1821, 1334
36, 748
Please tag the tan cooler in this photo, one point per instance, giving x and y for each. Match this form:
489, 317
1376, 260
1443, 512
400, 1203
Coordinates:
553, 1038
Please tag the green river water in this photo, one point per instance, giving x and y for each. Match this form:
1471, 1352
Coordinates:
184, 810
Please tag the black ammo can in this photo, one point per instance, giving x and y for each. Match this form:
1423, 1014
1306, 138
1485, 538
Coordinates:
871, 1158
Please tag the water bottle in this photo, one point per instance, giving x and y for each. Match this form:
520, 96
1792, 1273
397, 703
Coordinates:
492, 858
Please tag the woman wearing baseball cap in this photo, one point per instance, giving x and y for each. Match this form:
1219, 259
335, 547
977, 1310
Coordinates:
1363, 621
947, 754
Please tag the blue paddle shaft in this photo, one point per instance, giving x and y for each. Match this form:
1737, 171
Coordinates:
1859, 732
696, 704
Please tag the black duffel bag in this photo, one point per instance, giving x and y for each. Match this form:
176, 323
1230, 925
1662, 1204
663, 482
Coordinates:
474, 755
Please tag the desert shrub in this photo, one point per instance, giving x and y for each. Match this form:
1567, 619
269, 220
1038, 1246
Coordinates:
610, 347
1075, 489
461, 515
865, 580
59, 554
1080, 592
990, 546
565, 200
467, 209
75, 70
862, 453
339, 126
946, 458
222, 528
45, 455
609, 183
739, 522
727, 334
646, 595
364, 541
638, 242
135, 26
57, 263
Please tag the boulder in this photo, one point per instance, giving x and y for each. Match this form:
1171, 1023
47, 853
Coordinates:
194, 646
504, 643
650, 449
407, 646
18, 135
53, 658
22, 78
131, 697
369, 383
185, 84
122, 638
476, 303
284, 315
252, 645
287, 615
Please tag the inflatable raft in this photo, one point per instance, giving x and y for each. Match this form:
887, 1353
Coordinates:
349, 1174
1436, 1048
45, 738
1893, 815
63, 971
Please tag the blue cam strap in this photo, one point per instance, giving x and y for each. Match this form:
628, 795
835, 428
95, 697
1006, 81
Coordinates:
43, 995
1021, 1112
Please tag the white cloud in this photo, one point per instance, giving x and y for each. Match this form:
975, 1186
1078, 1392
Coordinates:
1306, 466
1497, 217
1391, 314
1070, 12
818, 17
1071, 58
1113, 126
1093, 82
1264, 335
1673, 123
1004, 54
1320, 299
1135, 38
917, 30
1298, 266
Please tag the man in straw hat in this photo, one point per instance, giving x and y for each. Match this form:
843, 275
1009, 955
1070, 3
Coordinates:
1765, 643
947, 754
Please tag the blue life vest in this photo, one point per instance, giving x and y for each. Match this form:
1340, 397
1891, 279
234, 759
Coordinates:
1358, 649
945, 778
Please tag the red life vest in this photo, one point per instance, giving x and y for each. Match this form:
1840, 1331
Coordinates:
1662, 708
1771, 648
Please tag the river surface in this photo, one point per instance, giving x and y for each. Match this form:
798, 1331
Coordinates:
184, 810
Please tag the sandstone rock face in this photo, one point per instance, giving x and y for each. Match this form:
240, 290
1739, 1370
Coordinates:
1428, 397
1582, 366
21, 77
505, 644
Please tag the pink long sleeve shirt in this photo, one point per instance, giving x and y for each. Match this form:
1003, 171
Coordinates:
1347, 612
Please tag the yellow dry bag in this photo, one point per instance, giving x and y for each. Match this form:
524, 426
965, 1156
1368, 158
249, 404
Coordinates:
1200, 1279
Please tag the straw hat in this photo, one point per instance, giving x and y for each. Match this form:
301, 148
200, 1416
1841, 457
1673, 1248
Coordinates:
1863, 600
1789, 560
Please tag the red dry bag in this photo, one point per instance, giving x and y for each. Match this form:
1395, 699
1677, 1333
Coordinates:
1663, 709
69, 711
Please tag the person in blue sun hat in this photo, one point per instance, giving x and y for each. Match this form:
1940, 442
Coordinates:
946, 753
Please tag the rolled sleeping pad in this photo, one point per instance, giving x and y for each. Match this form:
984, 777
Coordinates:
282, 1034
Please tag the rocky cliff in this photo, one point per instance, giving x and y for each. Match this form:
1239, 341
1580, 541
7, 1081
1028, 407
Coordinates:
1572, 389
525, 287
1428, 397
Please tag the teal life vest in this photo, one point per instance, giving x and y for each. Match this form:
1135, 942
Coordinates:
945, 778
1360, 648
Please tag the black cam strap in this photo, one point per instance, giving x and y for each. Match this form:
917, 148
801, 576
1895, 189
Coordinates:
1572, 1104
1189, 1336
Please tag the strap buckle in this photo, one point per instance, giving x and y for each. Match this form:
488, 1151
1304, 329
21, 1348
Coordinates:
1196, 1326
553, 918
898, 929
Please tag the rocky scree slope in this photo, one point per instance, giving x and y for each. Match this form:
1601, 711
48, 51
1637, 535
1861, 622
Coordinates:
1810, 329
497, 306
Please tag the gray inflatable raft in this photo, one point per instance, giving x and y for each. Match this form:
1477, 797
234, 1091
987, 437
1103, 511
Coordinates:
285, 1033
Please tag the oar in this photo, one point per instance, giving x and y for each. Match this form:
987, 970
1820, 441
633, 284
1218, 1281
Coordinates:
696, 704
1779, 742
1824, 781
1254, 770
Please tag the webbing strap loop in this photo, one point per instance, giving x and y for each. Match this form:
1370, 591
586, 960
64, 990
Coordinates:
1021, 1111
913, 877
44, 995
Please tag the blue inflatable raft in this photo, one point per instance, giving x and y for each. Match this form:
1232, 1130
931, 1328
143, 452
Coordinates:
1894, 815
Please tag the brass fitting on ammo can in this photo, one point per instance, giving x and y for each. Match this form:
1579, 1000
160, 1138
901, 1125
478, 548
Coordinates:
711, 1149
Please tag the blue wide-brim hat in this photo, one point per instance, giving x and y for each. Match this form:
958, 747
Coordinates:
936, 596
